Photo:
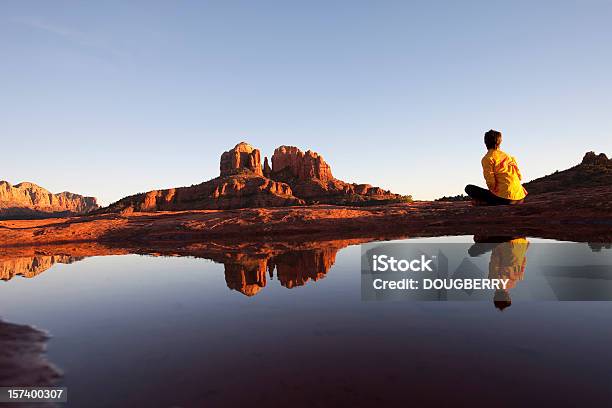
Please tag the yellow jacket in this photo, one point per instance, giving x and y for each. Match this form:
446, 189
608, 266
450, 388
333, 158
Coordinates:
508, 261
502, 175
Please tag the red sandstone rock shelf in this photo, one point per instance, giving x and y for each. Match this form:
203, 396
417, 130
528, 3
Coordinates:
583, 215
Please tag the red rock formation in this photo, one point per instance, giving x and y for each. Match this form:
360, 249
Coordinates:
237, 191
303, 166
242, 157
311, 179
592, 159
267, 171
28, 200
581, 215
294, 179
240, 185
595, 170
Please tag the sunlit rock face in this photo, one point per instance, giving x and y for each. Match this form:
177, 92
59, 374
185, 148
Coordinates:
295, 178
311, 179
26, 200
238, 191
241, 184
242, 157
300, 165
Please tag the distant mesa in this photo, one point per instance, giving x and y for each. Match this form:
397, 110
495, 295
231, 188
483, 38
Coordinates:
28, 200
595, 170
294, 178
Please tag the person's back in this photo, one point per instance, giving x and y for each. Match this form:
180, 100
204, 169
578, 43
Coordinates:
501, 174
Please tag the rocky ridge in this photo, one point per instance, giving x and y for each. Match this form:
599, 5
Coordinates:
595, 170
311, 179
295, 178
28, 200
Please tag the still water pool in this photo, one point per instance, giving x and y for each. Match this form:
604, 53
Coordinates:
293, 330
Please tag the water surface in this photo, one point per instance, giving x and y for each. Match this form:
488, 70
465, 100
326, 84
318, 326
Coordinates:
133, 330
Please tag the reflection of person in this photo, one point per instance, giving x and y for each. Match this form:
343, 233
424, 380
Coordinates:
501, 174
508, 261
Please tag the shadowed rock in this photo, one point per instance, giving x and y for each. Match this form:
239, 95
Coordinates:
595, 170
22, 360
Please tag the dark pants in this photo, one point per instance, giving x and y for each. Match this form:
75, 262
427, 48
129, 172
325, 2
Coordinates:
484, 195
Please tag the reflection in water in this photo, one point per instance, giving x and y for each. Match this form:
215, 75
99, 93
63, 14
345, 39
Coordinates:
598, 246
248, 275
31, 266
245, 265
146, 330
508, 261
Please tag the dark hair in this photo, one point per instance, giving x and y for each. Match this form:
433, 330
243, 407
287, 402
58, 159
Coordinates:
502, 299
492, 139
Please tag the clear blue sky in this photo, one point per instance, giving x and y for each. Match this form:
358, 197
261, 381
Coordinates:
113, 98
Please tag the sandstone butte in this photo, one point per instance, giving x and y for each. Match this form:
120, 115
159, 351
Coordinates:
28, 200
295, 178
582, 212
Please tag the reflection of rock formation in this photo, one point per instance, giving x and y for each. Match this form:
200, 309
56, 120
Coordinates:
293, 268
21, 361
29, 267
247, 276
297, 268
598, 246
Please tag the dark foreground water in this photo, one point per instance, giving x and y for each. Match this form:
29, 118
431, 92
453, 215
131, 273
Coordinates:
141, 331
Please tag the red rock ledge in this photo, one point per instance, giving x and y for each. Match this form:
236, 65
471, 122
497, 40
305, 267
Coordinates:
581, 215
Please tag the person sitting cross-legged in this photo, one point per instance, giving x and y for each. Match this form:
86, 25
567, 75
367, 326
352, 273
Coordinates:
501, 174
